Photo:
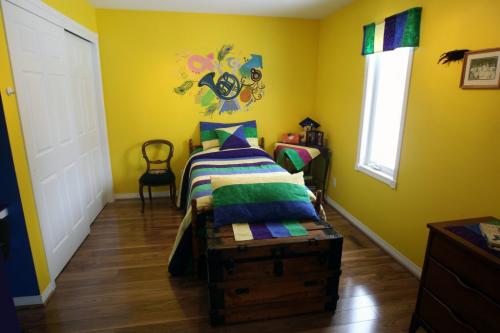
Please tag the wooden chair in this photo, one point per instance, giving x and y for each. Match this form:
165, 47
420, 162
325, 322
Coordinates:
157, 177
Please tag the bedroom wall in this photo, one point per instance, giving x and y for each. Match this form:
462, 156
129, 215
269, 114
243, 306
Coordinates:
82, 12
450, 162
138, 54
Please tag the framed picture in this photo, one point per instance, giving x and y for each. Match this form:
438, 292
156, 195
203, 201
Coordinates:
319, 138
311, 137
481, 70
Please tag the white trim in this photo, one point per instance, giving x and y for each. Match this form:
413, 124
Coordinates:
36, 299
403, 115
4, 213
27, 300
383, 177
103, 128
393, 252
135, 195
39, 8
48, 291
361, 164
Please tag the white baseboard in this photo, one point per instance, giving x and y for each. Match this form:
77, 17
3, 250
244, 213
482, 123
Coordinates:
135, 195
402, 259
35, 299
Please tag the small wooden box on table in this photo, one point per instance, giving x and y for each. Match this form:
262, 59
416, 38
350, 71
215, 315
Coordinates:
271, 278
460, 284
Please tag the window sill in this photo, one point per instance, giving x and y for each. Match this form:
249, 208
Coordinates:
383, 177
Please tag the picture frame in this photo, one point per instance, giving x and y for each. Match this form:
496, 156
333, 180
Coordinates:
311, 137
319, 138
481, 69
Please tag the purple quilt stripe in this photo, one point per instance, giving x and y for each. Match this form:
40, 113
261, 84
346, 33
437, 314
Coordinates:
238, 172
201, 166
201, 194
249, 158
258, 212
303, 153
277, 229
200, 182
260, 231
473, 237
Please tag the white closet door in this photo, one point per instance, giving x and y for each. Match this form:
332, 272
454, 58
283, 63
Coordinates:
57, 103
84, 103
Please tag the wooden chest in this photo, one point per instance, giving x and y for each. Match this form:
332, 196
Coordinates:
459, 288
263, 279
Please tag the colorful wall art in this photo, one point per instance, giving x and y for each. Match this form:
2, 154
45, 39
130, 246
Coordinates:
224, 82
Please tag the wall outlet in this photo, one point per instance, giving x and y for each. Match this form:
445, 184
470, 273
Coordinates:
334, 182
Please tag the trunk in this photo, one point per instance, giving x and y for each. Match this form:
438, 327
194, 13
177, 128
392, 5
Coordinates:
258, 279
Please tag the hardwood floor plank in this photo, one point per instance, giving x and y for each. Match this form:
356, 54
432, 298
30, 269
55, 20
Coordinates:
118, 282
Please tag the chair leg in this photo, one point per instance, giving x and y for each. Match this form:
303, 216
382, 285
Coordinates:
172, 192
141, 194
150, 197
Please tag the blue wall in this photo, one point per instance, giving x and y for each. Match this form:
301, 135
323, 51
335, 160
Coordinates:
20, 268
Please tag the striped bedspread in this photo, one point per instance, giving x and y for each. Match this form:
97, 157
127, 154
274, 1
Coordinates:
195, 184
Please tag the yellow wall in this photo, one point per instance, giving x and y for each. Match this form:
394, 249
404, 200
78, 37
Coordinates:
450, 162
81, 11
73, 9
138, 55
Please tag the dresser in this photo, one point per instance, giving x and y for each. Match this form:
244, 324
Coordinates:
460, 284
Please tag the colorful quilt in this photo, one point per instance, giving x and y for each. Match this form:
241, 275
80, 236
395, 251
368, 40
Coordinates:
195, 184
299, 156
281, 229
260, 198
209, 139
472, 233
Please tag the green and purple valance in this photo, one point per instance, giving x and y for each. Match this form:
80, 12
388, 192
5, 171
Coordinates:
400, 30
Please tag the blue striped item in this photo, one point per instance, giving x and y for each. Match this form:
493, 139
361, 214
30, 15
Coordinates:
208, 136
260, 198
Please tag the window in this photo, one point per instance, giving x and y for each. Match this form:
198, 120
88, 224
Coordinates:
387, 77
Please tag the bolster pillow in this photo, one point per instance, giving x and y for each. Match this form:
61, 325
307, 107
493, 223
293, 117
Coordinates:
260, 198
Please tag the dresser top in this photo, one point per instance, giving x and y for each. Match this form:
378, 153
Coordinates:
442, 228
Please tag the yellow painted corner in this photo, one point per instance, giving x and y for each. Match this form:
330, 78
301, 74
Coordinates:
81, 11
450, 162
140, 70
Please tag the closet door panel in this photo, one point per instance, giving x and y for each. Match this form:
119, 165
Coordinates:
57, 103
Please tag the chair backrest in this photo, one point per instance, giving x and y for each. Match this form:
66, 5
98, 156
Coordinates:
158, 142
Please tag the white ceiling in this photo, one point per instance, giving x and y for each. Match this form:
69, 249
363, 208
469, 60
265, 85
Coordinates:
310, 9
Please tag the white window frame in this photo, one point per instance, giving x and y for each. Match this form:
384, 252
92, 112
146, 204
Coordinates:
376, 172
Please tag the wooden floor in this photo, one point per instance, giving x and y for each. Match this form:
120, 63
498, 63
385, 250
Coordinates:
118, 282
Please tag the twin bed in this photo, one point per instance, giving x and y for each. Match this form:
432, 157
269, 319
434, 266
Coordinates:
196, 193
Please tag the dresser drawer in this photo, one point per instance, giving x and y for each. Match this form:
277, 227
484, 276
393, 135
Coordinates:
440, 318
471, 269
471, 305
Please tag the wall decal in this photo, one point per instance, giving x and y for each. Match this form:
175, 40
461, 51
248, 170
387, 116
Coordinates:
227, 83
452, 56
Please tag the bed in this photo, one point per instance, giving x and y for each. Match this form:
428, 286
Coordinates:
195, 195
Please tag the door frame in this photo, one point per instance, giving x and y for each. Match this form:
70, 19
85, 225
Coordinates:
44, 11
